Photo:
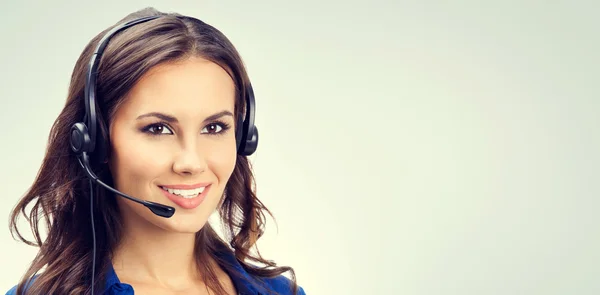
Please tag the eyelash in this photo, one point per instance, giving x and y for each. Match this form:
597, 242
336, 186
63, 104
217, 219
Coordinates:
224, 127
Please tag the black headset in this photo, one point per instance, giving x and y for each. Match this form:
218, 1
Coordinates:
85, 135
86, 138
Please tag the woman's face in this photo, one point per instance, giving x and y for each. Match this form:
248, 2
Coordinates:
173, 143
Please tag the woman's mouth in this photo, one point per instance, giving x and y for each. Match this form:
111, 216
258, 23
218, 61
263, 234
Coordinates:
187, 198
185, 193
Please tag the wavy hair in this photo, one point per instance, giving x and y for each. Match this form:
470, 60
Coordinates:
59, 195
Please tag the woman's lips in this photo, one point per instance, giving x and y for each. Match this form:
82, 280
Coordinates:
187, 202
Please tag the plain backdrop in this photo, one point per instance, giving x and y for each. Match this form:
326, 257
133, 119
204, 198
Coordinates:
406, 147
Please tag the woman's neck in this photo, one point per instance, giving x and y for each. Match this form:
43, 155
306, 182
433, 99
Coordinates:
150, 254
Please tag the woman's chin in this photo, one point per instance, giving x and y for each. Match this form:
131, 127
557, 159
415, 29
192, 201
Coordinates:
185, 221
181, 224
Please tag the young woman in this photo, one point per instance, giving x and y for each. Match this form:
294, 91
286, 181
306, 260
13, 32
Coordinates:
153, 139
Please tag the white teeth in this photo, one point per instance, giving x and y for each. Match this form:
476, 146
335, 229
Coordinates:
186, 193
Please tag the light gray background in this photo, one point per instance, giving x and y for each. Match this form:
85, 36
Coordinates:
406, 147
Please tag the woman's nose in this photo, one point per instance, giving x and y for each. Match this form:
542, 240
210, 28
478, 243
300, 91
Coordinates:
190, 161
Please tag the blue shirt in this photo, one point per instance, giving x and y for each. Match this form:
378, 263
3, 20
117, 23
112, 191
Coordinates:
245, 285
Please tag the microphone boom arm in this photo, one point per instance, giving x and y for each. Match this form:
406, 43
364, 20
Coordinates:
158, 209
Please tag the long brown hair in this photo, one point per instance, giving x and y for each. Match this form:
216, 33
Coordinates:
60, 198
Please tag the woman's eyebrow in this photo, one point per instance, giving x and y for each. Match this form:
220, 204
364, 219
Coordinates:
172, 119
218, 115
165, 117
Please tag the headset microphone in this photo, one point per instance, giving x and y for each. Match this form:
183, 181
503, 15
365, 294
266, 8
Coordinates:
158, 209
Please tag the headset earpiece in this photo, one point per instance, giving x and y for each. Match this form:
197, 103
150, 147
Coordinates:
251, 142
248, 139
81, 142
80, 139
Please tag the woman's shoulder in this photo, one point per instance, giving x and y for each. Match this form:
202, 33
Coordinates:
282, 285
252, 284
13, 290
248, 282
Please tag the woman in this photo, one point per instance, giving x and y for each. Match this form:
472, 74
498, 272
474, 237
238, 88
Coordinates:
173, 108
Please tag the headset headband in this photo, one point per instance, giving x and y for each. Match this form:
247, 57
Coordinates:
84, 138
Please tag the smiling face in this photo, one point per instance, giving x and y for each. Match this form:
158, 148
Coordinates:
173, 142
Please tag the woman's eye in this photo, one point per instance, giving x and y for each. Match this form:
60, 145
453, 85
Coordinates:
158, 129
212, 128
